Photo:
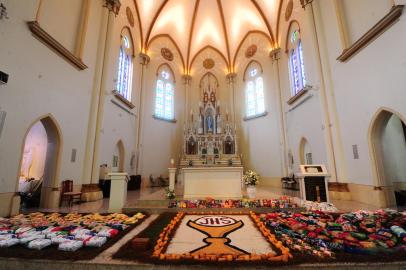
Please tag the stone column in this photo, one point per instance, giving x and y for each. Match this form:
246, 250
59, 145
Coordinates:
101, 89
231, 84
275, 56
172, 175
231, 77
118, 191
187, 80
334, 145
143, 60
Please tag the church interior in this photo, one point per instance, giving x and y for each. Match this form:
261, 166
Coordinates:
162, 134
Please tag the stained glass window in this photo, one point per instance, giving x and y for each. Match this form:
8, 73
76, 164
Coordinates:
255, 100
124, 73
164, 99
297, 67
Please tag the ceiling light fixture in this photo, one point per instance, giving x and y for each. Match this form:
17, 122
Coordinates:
3, 12
113, 5
305, 3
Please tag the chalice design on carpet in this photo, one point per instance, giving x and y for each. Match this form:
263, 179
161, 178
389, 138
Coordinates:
216, 228
215, 234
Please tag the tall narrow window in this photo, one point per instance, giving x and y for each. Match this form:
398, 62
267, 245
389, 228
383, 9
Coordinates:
254, 93
297, 68
164, 97
124, 73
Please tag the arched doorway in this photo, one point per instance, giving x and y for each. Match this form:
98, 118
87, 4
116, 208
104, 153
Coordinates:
39, 165
388, 147
305, 152
118, 157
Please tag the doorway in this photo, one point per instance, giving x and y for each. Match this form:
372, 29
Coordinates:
118, 157
388, 141
305, 152
38, 165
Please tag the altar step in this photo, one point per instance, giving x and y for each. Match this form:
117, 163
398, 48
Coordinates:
161, 206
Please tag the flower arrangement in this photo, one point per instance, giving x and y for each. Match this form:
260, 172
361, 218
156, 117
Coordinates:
170, 194
251, 178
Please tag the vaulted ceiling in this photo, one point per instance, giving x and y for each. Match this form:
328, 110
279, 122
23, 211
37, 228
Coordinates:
197, 24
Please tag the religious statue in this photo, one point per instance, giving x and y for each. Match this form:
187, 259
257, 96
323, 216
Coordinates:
209, 123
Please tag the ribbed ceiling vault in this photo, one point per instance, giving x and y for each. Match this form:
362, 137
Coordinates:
194, 25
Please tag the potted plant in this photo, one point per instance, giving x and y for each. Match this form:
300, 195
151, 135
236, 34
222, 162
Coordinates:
251, 179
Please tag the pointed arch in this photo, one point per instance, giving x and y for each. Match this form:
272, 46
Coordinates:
169, 68
52, 159
243, 40
291, 24
268, 26
208, 74
192, 25
302, 154
223, 24
173, 42
154, 20
278, 20
125, 30
379, 119
206, 48
249, 64
121, 155
137, 11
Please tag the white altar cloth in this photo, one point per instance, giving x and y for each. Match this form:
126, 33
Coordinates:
212, 181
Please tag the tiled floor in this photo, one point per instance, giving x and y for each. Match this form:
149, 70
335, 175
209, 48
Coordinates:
158, 193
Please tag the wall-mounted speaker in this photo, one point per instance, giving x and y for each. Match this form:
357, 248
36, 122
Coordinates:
2, 120
3, 77
355, 151
73, 155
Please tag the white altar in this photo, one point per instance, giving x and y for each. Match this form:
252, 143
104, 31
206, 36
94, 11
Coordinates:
215, 182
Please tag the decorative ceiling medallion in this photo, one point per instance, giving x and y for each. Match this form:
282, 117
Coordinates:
130, 16
251, 50
208, 63
289, 9
167, 54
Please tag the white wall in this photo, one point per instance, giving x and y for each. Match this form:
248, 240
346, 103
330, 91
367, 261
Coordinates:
160, 140
41, 82
372, 79
117, 123
259, 138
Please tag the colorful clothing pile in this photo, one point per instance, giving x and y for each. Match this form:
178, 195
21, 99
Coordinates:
70, 232
282, 202
321, 234
316, 206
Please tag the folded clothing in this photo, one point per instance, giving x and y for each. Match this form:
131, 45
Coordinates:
9, 242
79, 230
39, 244
61, 238
70, 245
108, 233
95, 241
26, 240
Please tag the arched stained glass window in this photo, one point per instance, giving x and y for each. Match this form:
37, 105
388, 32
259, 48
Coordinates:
124, 73
297, 68
164, 97
254, 93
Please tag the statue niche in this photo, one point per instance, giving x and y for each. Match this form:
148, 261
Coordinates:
191, 146
229, 146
